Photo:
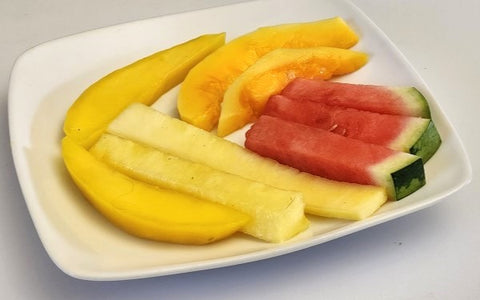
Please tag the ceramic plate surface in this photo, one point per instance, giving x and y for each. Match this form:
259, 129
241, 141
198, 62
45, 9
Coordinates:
48, 78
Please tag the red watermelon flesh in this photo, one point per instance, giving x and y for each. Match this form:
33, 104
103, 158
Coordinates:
406, 101
313, 150
375, 128
334, 156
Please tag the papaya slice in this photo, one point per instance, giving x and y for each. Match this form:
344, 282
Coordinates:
202, 90
144, 210
143, 81
245, 98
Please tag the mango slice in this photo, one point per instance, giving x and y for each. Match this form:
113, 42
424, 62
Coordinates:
144, 210
202, 90
245, 98
276, 215
322, 197
143, 81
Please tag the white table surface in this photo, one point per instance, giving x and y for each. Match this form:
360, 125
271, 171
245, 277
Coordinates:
431, 254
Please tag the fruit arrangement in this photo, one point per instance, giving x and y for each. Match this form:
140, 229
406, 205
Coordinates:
180, 181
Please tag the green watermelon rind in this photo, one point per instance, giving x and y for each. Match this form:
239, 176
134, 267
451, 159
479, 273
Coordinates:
414, 100
401, 174
428, 143
408, 179
419, 137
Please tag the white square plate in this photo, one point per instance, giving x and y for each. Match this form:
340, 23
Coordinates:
48, 78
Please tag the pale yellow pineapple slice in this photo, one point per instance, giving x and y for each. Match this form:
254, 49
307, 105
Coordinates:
322, 197
276, 215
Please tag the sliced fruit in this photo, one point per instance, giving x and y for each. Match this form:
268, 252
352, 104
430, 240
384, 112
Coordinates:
322, 197
276, 215
406, 101
246, 97
336, 157
415, 135
202, 91
147, 211
142, 81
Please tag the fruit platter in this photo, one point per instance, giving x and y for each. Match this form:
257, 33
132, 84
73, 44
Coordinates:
145, 152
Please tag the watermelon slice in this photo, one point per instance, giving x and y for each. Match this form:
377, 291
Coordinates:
336, 157
407, 101
403, 133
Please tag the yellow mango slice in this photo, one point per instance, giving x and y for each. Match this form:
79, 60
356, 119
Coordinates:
245, 98
144, 210
143, 81
323, 197
202, 90
276, 215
